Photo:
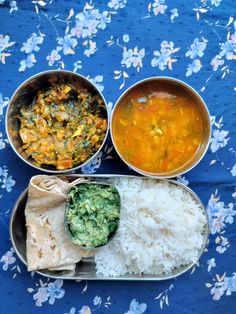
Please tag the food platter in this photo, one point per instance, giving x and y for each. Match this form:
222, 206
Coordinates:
108, 227
85, 269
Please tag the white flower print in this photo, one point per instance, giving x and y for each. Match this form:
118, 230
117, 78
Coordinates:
159, 6
219, 139
53, 57
215, 2
105, 18
8, 259
28, 63
216, 62
13, 6
163, 296
117, 4
48, 291
163, 58
32, 43
230, 283
4, 45
233, 171
223, 244
4, 42
227, 52
40, 296
127, 58
67, 44
183, 180
133, 57
194, 67
77, 66
97, 80
160, 60
228, 49
97, 300
3, 103
195, 52
2, 141
6, 181
126, 38
218, 290
211, 263
174, 14
3, 171
223, 285
89, 21
136, 307
54, 291
92, 48
219, 214
197, 49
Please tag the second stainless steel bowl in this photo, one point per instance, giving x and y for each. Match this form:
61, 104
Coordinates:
189, 92
67, 225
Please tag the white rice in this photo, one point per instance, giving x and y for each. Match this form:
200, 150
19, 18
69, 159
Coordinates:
161, 228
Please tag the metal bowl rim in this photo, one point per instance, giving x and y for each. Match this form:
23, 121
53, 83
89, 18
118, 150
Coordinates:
192, 90
111, 236
186, 188
23, 85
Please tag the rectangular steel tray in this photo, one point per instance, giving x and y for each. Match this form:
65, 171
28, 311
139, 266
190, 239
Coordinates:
85, 269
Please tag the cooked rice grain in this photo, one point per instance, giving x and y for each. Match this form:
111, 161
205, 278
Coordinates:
161, 228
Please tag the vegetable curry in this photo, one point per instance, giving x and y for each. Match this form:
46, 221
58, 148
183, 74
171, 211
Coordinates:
63, 126
92, 214
157, 130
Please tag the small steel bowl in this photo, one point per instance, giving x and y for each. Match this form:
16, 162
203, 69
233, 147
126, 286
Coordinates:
67, 226
189, 92
24, 96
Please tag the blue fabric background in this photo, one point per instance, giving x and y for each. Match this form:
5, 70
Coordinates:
205, 29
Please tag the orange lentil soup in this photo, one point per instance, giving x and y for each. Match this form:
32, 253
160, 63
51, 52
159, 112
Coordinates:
157, 130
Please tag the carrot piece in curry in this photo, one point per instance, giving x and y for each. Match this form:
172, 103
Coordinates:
63, 126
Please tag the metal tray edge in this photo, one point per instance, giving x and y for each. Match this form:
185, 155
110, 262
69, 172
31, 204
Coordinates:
137, 278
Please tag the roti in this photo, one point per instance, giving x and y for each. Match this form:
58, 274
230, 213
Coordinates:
47, 244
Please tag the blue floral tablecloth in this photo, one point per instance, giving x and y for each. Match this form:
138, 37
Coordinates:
115, 43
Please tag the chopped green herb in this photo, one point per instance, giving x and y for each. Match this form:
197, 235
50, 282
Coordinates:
92, 214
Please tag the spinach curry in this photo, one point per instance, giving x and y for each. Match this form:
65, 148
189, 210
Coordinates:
92, 214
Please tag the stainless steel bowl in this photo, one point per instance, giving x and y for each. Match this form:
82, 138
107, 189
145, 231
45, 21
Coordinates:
24, 95
85, 269
190, 92
67, 227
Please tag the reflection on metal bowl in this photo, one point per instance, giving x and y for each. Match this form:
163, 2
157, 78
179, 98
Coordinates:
25, 95
160, 127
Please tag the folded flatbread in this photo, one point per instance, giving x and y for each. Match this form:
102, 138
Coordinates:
47, 244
